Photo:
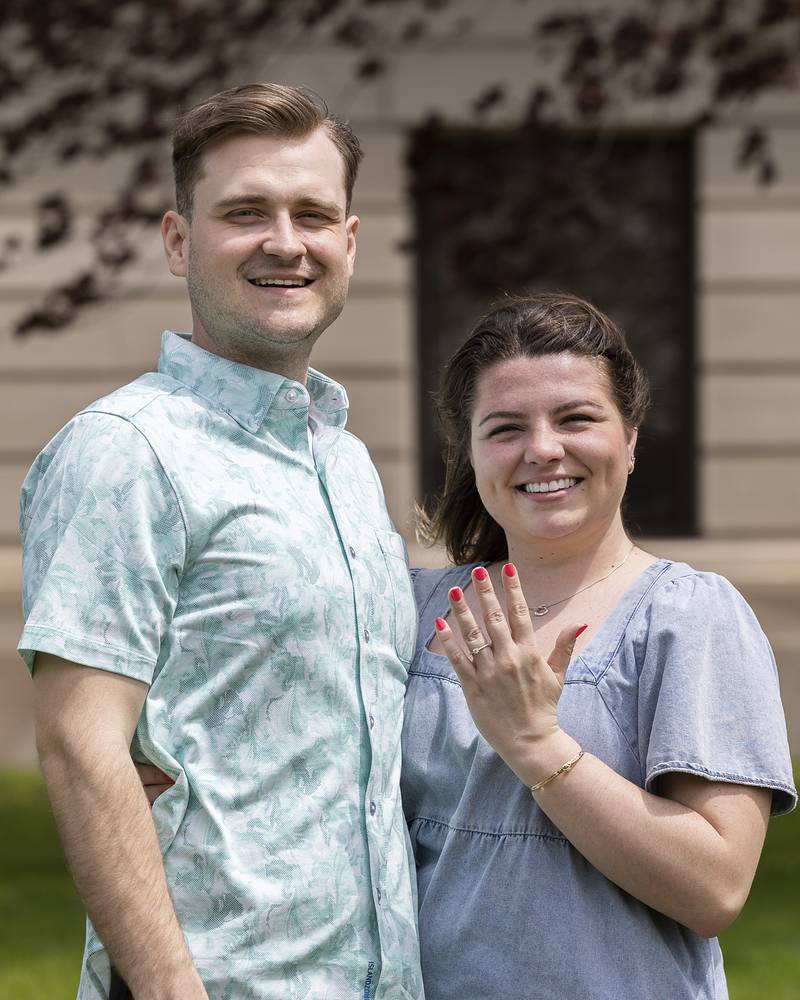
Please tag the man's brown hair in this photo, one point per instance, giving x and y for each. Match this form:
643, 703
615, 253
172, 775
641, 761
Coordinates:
270, 109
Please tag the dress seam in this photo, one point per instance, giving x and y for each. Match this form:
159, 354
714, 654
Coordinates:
440, 677
560, 838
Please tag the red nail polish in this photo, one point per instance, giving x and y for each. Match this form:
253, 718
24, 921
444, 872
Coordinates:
456, 593
480, 573
510, 570
581, 629
439, 624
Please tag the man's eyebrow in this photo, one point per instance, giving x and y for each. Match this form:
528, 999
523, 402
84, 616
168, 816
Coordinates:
254, 198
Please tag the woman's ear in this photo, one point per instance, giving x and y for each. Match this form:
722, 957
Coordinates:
633, 436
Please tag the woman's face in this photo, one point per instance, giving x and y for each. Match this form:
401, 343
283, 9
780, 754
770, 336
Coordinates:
549, 448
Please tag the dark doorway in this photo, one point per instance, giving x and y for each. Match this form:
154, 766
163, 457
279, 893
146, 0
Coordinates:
609, 217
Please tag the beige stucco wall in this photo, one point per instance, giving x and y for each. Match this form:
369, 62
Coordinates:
748, 301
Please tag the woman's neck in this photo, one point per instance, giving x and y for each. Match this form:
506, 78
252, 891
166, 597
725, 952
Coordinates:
553, 568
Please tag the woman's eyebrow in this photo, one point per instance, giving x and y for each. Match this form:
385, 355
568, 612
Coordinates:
577, 404
502, 414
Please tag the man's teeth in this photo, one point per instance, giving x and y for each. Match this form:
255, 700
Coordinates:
551, 487
283, 282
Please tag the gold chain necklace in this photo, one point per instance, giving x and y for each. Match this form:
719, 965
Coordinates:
543, 609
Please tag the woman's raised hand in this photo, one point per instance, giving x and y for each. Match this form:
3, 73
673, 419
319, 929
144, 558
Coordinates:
512, 691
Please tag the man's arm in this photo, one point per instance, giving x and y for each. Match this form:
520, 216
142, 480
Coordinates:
85, 720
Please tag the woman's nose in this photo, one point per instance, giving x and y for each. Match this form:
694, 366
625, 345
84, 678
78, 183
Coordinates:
543, 445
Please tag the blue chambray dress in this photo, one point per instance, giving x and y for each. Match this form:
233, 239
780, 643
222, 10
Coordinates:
679, 677
187, 532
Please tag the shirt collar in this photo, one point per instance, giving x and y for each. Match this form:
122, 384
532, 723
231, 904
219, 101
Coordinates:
249, 395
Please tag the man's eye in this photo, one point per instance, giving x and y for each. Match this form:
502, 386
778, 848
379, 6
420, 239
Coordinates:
240, 212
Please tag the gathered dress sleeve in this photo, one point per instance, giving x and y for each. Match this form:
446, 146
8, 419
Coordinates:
709, 700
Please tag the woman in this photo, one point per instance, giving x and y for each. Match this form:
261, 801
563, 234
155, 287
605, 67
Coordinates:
584, 825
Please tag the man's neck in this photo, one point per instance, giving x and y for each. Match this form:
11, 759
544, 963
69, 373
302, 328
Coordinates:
290, 366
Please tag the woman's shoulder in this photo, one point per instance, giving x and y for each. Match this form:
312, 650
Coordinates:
673, 606
429, 582
681, 589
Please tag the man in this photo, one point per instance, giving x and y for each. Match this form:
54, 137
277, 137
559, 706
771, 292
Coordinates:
212, 581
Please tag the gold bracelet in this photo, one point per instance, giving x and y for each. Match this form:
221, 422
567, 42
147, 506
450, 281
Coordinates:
562, 770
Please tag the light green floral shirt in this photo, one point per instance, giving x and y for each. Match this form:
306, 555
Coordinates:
183, 532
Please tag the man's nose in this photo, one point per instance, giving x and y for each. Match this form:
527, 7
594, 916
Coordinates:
543, 445
282, 239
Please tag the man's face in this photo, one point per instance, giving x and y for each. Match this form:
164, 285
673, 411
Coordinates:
269, 251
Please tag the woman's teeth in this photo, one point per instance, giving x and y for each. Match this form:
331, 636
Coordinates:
551, 487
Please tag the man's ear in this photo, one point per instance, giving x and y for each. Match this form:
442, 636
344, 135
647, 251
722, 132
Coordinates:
175, 234
351, 228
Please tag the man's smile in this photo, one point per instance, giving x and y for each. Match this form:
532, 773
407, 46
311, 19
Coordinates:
281, 282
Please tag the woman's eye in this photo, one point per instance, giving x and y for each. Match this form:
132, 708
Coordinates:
573, 417
502, 429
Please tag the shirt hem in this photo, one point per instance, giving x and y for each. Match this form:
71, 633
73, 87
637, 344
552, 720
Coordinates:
48, 639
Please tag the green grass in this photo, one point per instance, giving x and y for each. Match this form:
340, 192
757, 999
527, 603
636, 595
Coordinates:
41, 940
41, 920
762, 949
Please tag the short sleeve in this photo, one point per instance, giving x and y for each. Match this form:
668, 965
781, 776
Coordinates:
104, 544
709, 701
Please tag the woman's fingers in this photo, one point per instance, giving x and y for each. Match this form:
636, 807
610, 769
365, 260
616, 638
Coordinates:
563, 649
495, 627
463, 619
519, 616
454, 652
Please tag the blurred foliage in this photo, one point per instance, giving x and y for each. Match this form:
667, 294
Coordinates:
85, 80
42, 920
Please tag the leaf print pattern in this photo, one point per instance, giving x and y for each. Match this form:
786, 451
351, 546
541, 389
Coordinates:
180, 531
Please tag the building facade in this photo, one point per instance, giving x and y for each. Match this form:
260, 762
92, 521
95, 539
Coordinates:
744, 375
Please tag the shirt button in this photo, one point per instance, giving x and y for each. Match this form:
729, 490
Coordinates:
291, 395
371, 721
372, 808
366, 635
352, 552
378, 893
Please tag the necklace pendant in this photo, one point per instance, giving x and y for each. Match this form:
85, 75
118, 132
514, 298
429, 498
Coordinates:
540, 611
